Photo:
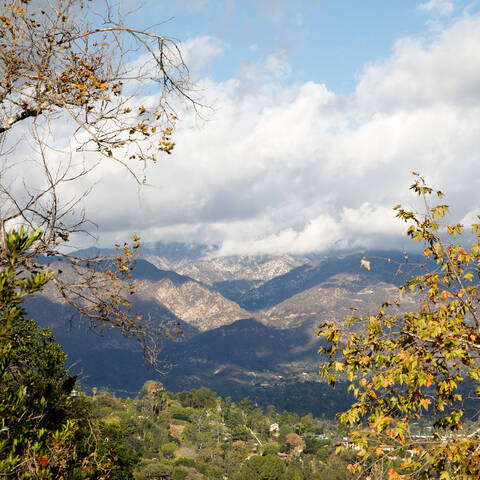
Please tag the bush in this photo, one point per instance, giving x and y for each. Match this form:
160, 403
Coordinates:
186, 462
154, 470
179, 473
168, 450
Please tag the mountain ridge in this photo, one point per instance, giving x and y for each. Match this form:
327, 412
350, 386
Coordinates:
225, 345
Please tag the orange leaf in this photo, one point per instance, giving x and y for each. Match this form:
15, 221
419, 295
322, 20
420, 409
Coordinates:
392, 474
425, 402
446, 295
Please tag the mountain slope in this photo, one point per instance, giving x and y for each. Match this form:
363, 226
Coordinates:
212, 268
192, 303
331, 300
309, 275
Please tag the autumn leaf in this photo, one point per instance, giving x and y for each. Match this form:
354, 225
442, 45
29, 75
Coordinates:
365, 264
446, 295
392, 474
425, 402
362, 452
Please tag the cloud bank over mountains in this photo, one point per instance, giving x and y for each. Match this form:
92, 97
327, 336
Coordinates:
279, 168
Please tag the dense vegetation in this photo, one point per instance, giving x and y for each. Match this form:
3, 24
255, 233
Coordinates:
196, 434
46, 430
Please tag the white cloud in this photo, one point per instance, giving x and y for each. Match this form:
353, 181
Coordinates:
470, 218
443, 7
370, 219
199, 52
293, 169
299, 168
421, 75
320, 234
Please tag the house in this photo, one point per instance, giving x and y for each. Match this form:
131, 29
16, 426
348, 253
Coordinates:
274, 428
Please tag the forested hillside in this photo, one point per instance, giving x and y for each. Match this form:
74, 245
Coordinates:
196, 434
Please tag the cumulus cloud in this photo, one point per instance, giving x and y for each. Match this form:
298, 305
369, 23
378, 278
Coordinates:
197, 53
297, 168
423, 75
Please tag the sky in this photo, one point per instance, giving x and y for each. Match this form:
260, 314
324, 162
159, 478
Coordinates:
319, 112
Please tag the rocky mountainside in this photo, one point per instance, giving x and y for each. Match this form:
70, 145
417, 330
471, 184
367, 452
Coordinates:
213, 269
329, 300
192, 303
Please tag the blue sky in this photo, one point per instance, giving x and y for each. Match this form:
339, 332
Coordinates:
320, 111
326, 41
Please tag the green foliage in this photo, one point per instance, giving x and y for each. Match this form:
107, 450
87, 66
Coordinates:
411, 366
269, 467
297, 470
45, 430
179, 473
201, 398
206, 445
186, 462
319, 448
168, 449
112, 445
272, 448
35, 401
180, 413
213, 472
153, 469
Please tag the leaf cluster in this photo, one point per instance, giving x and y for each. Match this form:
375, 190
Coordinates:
405, 367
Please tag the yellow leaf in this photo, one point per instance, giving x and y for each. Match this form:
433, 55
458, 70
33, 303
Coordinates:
365, 264
425, 402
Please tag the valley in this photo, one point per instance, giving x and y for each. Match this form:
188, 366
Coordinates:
249, 323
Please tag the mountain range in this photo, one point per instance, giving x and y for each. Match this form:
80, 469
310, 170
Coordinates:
248, 323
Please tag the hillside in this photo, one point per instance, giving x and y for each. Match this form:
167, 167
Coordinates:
197, 435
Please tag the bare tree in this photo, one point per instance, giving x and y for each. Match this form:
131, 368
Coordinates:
78, 66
